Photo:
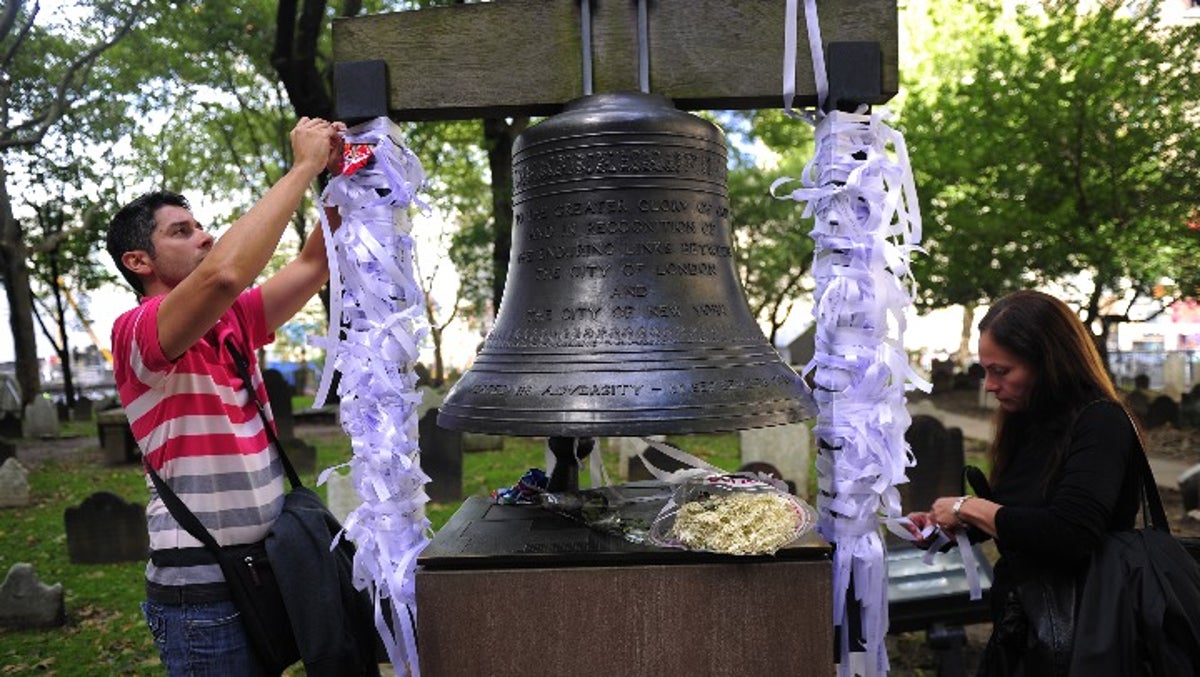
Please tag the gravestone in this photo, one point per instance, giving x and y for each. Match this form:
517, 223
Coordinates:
786, 447
41, 419
105, 528
473, 442
431, 398
8, 449
84, 408
25, 602
279, 393
976, 375
1175, 374
986, 400
10, 425
627, 450
1189, 410
939, 454
941, 375
14, 484
441, 459
1163, 411
302, 455
116, 438
342, 496
1139, 404
1189, 488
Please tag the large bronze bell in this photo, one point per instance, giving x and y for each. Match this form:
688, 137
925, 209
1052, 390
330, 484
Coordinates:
622, 312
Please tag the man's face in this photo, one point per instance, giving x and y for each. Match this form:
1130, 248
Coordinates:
180, 244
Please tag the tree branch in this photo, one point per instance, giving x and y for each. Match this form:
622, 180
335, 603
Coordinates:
7, 22
38, 125
52, 242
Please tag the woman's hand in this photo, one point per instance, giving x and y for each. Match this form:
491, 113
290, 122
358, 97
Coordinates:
942, 514
918, 522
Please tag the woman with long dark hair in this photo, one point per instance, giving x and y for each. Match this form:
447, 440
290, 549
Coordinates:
1063, 469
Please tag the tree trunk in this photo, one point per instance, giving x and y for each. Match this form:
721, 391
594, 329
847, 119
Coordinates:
64, 342
963, 356
1107, 324
439, 364
295, 58
16, 288
498, 137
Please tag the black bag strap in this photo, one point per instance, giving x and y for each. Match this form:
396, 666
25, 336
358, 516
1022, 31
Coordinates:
178, 509
1153, 513
243, 367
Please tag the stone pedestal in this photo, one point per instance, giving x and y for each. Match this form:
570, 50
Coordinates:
505, 590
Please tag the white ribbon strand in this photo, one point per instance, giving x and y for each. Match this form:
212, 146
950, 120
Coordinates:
859, 191
376, 328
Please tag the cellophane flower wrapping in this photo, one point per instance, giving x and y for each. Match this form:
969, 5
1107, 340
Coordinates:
736, 514
626, 510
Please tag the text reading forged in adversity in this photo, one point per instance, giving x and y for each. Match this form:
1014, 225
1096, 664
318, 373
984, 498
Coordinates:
629, 390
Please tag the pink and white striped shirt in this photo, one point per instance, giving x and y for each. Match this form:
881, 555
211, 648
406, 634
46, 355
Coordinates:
199, 429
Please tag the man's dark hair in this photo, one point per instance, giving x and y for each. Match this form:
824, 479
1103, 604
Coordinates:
132, 226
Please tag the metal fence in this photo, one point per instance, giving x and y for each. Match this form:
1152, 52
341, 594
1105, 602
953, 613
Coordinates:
1180, 368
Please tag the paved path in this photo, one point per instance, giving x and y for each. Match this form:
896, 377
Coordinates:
1166, 470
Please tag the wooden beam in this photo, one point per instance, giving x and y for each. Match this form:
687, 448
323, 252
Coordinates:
524, 57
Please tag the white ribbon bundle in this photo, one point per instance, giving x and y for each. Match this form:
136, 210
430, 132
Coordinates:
377, 321
859, 197
859, 190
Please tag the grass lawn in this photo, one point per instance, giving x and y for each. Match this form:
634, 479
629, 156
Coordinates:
105, 633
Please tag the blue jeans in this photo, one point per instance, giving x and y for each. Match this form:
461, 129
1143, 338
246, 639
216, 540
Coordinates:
201, 640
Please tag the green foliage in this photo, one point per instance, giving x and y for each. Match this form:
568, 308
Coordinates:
1067, 146
455, 162
773, 249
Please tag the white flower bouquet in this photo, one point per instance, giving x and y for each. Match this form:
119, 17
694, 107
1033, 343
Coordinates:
737, 514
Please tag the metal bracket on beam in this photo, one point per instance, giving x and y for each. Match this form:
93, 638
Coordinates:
361, 90
855, 72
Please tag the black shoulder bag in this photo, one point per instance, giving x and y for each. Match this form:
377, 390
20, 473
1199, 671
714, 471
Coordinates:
309, 594
1139, 607
1135, 610
246, 567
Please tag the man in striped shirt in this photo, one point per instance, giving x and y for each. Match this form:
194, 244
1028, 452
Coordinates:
192, 415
